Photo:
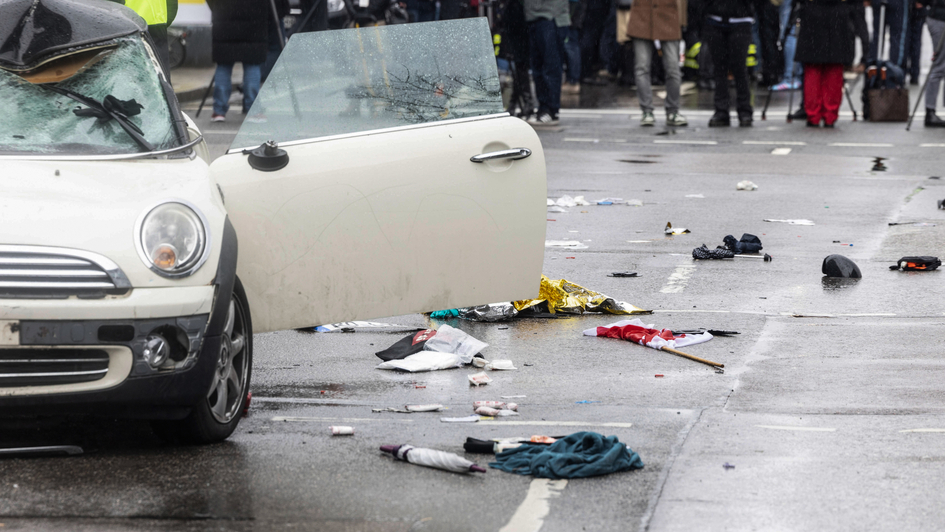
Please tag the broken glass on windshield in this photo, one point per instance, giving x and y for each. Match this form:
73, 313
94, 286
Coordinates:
40, 120
363, 79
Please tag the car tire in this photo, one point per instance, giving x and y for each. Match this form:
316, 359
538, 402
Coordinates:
215, 417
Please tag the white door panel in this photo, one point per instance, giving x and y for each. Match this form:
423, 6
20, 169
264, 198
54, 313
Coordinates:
389, 223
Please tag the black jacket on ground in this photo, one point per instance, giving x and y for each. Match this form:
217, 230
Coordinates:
729, 8
240, 30
826, 32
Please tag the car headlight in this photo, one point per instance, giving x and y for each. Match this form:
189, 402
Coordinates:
172, 238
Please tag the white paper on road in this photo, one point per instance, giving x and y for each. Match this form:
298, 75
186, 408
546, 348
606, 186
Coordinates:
424, 361
452, 340
570, 244
792, 222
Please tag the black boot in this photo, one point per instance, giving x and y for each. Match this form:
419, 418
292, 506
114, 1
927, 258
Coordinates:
720, 119
799, 114
744, 120
931, 120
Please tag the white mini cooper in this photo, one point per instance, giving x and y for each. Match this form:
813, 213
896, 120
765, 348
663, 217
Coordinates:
376, 175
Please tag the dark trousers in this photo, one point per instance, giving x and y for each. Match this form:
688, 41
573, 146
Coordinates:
910, 65
598, 38
546, 40
896, 20
729, 45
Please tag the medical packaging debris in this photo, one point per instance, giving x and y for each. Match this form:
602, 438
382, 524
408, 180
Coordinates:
407, 346
500, 365
478, 379
669, 230
917, 264
424, 361
554, 297
792, 222
746, 185
644, 334
579, 455
497, 445
568, 244
840, 266
487, 411
432, 458
498, 405
452, 340
609, 201
430, 350
568, 201
341, 431
467, 419
623, 274
350, 326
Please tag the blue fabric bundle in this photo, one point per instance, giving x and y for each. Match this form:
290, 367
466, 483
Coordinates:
582, 454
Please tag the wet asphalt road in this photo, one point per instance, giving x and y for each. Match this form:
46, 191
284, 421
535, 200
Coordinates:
818, 409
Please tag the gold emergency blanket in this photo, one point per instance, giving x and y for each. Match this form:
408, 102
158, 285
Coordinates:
568, 298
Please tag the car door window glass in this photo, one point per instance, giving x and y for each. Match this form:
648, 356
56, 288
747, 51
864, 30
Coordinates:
39, 120
362, 79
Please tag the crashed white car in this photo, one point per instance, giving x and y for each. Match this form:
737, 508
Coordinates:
376, 175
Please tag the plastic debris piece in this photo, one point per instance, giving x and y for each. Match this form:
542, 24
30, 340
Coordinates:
487, 411
467, 419
557, 209
570, 244
635, 203
728, 466
341, 431
623, 274
659, 375
425, 408
478, 379
432, 458
840, 266
792, 222
409, 345
344, 326
506, 413
563, 296
585, 402
645, 334
503, 365
424, 361
510, 406
445, 314
700, 196
669, 230
392, 409
917, 264
746, 185
452, 340
479, 362
490, 404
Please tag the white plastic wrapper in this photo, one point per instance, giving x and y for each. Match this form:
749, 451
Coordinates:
478, 379
452, 340
424, 361
341, 431
506, 413
500, 365
424, 408
486, 411
479, 362
490, 404
511, 406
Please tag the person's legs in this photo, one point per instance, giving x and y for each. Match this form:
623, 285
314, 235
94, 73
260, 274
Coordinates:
641, 69
572, 47
673, 75
717, 38
590, 37
813, 93
546, 65
861, 31
897, 15
739, 39
252, 75
914, 44
831, 82
222, 87
937, 70
877, 32
608, 41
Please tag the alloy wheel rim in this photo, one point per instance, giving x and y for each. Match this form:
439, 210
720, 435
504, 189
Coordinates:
229, 379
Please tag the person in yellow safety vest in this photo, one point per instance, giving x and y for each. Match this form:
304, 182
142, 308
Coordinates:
159, 14
692, 56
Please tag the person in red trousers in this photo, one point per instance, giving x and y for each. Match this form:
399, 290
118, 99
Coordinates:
825, 44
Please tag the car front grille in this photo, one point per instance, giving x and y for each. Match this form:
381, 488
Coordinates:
45, 272
43, 367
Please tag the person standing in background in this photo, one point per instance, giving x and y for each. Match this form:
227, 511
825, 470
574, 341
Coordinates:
657, 20
936, 23
159, 14
910, 64
897, 19
728, 32
572, 48
548, 22
825, 44
788, 36
240, 34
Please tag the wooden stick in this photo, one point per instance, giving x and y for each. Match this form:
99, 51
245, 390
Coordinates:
690, 357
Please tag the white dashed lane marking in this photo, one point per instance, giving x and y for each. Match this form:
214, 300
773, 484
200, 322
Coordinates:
703, 142
799, 429
860, 145
780, 151
678, 280
774, 143
531, 514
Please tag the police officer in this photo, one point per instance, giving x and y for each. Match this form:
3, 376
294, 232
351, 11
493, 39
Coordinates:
158, 14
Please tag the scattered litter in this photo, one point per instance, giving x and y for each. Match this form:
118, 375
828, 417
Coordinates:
487, 411
419, 387
504, 365
454, 341
659, 375
551, 202
585, 402
677, 231
623, 274
917, 264
728, 466
609, 201
350, 326
391, 409
635, 203
69, 450
700, 196
527, 364
644, 334
506, 413
406, 346
840, 266
923, 224
579, 455
432, 458
489, 404
639, 241
478, 379
563, 296
513, 397
713, 332
570, 257
424, 361
479, 362
342, 431
792, 222
468, 419
568, 201
498, 445
941, 204
746, 185
570, 244
719, 253
490, 312
556, 209
747, 244
425, 408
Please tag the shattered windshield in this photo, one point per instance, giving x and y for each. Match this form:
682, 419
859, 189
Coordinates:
113, 98
362, 79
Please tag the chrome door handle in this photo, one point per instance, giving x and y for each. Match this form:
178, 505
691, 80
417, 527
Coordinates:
514, 153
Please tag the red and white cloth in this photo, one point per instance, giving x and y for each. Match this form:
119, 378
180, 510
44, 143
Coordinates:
644, 334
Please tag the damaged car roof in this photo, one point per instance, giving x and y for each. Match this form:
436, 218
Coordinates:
33, 32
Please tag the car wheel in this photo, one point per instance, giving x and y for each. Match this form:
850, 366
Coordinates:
214, 418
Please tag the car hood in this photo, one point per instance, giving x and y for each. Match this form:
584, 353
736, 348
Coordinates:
93, 206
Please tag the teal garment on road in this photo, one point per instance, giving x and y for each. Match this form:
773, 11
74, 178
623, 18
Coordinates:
582, 454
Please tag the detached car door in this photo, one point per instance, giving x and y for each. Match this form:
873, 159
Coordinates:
398, 184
